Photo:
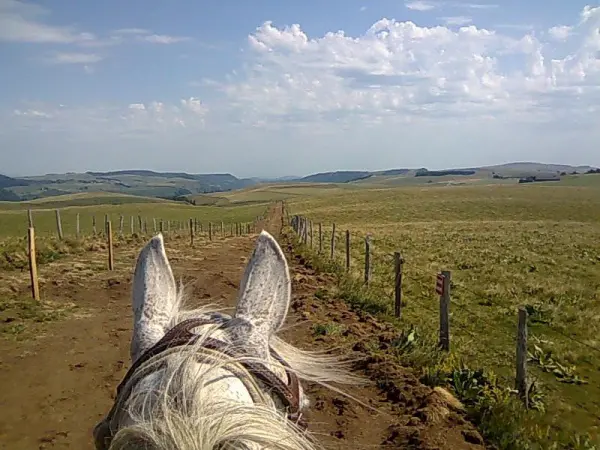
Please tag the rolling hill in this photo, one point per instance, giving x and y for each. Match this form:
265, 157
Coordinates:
190, 187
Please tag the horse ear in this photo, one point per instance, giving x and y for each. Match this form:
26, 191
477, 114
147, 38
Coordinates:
264, 295
154, 299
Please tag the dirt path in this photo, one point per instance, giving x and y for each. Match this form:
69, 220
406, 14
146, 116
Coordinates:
56, 386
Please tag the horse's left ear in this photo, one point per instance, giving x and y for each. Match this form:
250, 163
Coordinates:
264, 295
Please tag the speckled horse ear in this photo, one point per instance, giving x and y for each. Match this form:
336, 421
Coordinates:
154, 298
263, 298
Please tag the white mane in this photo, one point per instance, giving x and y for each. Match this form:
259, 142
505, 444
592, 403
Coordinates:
193, 398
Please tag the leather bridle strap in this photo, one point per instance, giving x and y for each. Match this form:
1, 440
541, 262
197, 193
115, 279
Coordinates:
181, 335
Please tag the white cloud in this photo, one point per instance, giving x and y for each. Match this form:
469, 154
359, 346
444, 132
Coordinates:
420, 5
560, 33
412, 95
130, 31
475, 5
429, 5
21, 22
33, 113
457, 20
162, 39
74, 58
194, 105
363, 8
401, 71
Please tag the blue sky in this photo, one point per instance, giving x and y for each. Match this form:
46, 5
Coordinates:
268, 89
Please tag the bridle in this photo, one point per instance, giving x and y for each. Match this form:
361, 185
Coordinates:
181, 335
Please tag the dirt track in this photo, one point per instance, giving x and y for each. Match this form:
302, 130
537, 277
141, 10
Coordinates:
54, 388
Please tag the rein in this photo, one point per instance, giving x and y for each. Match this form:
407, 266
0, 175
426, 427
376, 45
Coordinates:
181, 335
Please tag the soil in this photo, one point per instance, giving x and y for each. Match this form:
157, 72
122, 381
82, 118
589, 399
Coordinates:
58, 383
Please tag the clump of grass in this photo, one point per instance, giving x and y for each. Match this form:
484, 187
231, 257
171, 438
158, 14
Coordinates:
14, 253
17, 313
328, 329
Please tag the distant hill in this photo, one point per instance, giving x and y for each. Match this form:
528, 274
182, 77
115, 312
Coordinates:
145, 183
182, 186
336, 177
6, 182
537, 167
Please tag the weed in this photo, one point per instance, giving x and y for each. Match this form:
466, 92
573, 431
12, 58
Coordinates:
328, 329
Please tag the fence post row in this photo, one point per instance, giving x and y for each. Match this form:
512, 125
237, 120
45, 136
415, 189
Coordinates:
300, 225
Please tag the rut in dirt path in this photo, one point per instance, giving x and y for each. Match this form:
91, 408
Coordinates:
56, 387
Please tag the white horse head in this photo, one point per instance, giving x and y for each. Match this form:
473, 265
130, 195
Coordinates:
204, 380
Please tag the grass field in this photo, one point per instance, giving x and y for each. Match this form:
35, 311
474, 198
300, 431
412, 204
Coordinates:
535, 245
13, 216
507, 245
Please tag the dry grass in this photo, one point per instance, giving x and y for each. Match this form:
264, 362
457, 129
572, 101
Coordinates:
507, 246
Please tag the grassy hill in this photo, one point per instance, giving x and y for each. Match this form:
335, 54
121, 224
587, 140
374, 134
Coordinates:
144, 183
194, 187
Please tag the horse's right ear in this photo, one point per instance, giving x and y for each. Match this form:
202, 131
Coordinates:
264, 295
154, 296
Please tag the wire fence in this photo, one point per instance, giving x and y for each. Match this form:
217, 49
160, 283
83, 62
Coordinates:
485, 334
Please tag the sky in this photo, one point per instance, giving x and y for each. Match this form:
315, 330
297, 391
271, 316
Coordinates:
266, 88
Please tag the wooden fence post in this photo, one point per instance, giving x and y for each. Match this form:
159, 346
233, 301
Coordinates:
30, 218
121, 223
94, 230
59, 225
154, 223
145, 227
106, 224
132, 225
77, 226
445, 311
111, 261
192, 232
140, 224
398, 263
367, 260
333, 241
521, 377
210, 231
169, 226
347, 250
311, 234
35, 287
305, 231
320, 238
162, 227
222, 229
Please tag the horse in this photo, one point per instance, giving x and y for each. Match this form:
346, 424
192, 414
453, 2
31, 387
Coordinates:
201, 379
